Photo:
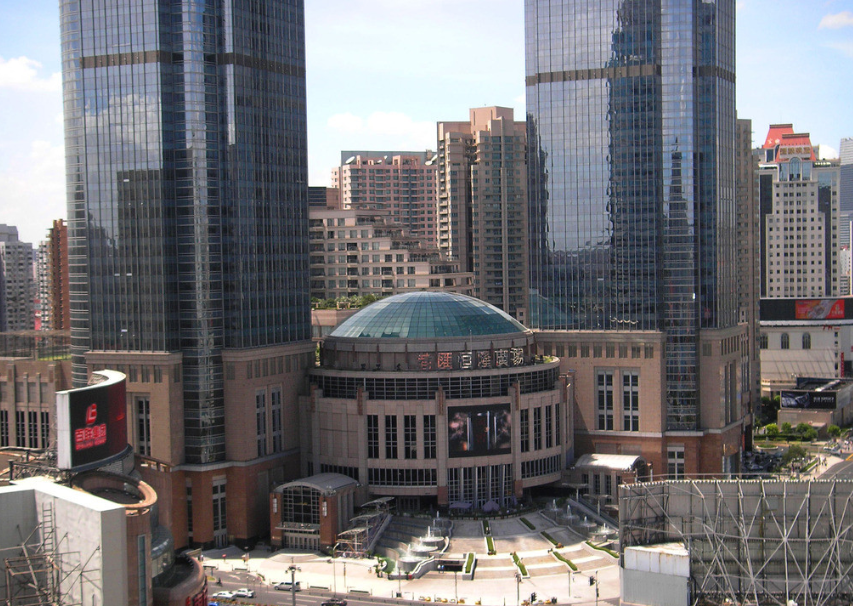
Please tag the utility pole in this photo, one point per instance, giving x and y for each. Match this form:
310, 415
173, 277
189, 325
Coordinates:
293, 570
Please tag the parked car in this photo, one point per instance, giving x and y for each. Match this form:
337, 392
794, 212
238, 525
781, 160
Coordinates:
334, 602
286, 586
243, 592
225, 595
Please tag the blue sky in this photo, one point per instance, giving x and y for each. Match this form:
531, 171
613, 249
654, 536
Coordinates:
382, 72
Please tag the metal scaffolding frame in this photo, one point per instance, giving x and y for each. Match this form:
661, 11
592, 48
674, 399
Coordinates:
39, 573
756, 542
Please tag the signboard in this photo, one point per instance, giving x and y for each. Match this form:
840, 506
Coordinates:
91, 424
820, 309
808, 399
479, 430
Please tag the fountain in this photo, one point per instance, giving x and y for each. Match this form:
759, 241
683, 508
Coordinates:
409, 562
432, 539
571, 518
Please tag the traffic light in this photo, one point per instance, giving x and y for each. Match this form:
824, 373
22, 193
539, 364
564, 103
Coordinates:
591, 581
533, 597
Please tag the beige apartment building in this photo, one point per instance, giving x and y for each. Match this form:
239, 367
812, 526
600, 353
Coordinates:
402, 183
363, 252
799, 205
482, 203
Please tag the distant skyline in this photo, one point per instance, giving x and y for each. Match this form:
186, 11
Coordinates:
381, 73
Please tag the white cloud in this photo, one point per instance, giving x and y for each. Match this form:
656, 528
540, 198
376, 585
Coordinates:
32, 190
740, 5
842, 19
845, 48
825, 152
22, 74
345, 123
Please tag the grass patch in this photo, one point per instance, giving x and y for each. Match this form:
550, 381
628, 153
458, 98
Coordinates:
469, 562
565, 560
486, 530
811, 465
528, 523
490, 543
551, 539
521, 567
604, 549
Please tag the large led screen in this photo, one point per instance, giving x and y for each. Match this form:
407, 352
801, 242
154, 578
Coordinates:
91, 423
479, 430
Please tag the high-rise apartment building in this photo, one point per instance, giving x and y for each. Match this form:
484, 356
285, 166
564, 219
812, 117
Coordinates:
52, 279
798, 197
631, 137
188, 253
482, 203
362, 252
400, 182
17, 282
845, 209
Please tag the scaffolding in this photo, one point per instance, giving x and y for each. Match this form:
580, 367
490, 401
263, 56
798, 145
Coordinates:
756, 542
39, 573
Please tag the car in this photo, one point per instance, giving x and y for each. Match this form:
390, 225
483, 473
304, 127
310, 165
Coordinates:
225, 595
286, 586
243, 592
334, 602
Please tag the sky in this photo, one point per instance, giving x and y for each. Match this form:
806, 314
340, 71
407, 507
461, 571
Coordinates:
381, 73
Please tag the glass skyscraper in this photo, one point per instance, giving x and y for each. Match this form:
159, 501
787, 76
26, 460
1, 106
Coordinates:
186, 156
631, 128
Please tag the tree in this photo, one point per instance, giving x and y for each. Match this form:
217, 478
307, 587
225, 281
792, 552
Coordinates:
834, 431
786, 427
794, 452
772, 431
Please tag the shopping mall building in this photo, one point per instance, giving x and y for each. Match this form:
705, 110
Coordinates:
437, 399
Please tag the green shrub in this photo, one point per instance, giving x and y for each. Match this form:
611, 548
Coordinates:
834, 431
786, 427
552, 540
486, 530
521, 567
772, 430
490, 544
565, 560
604, 549
469, 562
527, 523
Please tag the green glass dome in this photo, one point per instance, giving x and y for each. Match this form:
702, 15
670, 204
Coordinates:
428, 315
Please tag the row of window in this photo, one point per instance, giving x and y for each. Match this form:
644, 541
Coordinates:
785, 341
425, 388
410, 437
25, 391
605, 400
401, 477
540, 467
551, 434
608, 350
32, 429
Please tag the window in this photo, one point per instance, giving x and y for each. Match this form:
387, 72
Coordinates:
604, 387
143, 426
20, 429
631, 400
390, 437
557, 424
763, 341
549, 427
277, 430
220, 513
372, 436
190, 509
429, 437
4, 427
675, 462
524, 429
33, 434
410, 437
261, 421
537, 428
786, 341
807, 340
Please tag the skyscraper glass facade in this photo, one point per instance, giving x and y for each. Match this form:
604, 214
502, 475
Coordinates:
631, 128
187, 204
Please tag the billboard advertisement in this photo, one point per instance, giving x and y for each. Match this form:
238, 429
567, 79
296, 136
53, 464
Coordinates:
91, 423
479, 430
819, 309
808, 399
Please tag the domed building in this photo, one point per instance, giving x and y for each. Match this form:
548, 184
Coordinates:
437, 399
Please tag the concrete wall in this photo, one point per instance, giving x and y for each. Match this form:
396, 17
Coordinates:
656, 575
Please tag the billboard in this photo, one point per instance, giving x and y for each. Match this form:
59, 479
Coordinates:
91, 423
808, 399
819, 309
479, 430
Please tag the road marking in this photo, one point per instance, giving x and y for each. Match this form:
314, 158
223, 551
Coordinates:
850, 458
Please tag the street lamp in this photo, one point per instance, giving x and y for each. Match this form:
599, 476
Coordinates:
517, 588
293, 569
456, 585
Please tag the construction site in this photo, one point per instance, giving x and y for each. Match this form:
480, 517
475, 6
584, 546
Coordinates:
737, 542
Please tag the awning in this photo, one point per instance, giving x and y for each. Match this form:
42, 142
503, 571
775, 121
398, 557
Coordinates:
613, 462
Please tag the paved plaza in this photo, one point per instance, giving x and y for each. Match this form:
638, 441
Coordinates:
494, 581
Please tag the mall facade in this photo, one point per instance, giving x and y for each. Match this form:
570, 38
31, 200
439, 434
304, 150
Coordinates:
437, 399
